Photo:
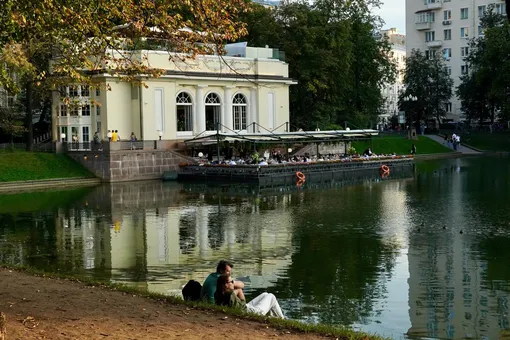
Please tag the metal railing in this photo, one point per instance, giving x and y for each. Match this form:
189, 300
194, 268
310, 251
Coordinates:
111, 146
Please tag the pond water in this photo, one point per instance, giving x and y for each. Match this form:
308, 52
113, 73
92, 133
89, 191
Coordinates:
424, 256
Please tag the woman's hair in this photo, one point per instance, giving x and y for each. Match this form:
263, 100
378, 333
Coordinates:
221, 297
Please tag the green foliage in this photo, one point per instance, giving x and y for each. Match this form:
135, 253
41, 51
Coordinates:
332, 54
486, 89
427, 79
401, 146
24, 166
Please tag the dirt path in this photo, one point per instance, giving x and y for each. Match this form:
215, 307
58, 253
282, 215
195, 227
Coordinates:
44, 308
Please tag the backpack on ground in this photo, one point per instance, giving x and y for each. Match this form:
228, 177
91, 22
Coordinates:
191, 291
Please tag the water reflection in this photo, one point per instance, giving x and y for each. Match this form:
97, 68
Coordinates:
380, 256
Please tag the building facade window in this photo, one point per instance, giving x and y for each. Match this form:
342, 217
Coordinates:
98, 92
480, 31
464, 13
63, 110
447, 53
449, 70
448, 34
430, 36
85, 134
447, 15
85, 110
464, 51
449, 107
184, 109
85, 91
239, 111
500, 8
429, 54
75, 110
425, 17
212, 112
481, 11
73, 91
464, 32
98, 110
463, 69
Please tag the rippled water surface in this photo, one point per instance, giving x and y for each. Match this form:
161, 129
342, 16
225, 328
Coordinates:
425, 256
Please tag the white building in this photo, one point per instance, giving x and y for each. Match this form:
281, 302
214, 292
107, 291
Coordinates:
445, 26
240, 92
390, 91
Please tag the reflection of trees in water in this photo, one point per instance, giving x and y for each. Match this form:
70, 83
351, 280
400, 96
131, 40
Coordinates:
336, 271
187, 232
216, 235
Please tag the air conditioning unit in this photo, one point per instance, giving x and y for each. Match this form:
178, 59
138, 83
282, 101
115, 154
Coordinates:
447, 22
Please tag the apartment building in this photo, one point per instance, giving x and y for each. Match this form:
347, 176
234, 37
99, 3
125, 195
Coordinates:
446, 26
391, 91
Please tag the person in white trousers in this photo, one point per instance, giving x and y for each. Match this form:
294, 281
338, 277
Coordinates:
227, 295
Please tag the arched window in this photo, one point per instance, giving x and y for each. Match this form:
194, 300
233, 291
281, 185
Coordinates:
212, 111
239, 107
184, 109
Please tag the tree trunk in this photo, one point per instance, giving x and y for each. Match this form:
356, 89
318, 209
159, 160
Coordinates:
29, 109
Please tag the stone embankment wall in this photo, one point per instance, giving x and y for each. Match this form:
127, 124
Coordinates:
129, 165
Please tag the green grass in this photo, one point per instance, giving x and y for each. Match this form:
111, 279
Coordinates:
497, 141
326, 330
400, 145
25, 166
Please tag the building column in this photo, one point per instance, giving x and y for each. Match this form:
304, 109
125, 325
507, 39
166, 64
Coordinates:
227, 110
253, 112
200, 110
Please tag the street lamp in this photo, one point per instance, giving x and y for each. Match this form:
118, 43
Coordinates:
160, 134
410, 99
63, 136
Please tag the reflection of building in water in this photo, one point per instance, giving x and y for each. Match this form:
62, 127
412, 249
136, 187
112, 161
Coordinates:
448, 295
162, 242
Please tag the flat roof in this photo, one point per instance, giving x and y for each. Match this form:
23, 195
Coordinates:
282, 137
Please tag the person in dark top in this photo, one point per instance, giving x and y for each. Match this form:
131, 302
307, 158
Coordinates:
413, 149
227, 295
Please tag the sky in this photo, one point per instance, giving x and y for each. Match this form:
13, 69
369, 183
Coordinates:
394, 14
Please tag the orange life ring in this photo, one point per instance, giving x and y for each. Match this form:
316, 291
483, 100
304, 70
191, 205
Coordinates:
300, 183
385, 169
301, 176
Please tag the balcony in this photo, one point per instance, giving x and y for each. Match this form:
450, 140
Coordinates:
434, 43
434, 5
420, 26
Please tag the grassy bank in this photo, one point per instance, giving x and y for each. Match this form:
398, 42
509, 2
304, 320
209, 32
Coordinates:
497, 141
339, 333
400, 145
26, 166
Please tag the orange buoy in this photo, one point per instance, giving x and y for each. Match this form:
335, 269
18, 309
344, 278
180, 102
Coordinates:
385, 170
301, 176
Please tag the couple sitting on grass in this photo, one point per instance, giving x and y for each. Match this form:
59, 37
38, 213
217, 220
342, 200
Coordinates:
221, 289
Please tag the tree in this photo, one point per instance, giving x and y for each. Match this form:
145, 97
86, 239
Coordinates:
427, 79
99, 36
11, 124
486, 89
332, 54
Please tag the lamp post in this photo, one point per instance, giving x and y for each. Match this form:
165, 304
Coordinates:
410, 99
63, 137
411, 131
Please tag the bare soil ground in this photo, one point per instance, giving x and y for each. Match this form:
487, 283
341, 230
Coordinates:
45, 308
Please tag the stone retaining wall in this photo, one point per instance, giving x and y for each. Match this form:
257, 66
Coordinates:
129, 165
